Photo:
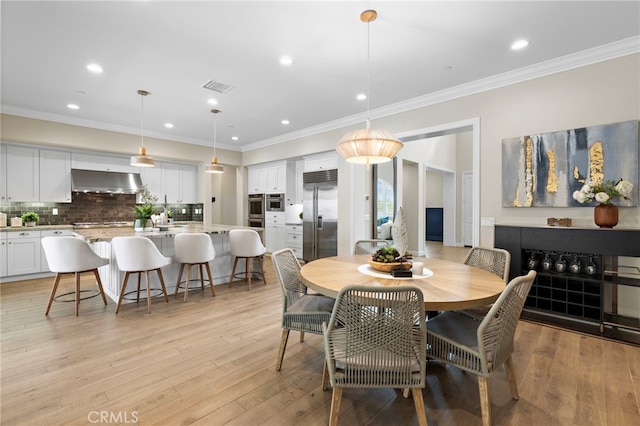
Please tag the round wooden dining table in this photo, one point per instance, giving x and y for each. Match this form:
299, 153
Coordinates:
446, 286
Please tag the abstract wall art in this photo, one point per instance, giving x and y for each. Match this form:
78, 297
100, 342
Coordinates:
544, 170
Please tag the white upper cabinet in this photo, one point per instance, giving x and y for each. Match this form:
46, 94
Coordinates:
22, 175
326, 161
101, 162
272, 178
178, 183
55, 176
152, 178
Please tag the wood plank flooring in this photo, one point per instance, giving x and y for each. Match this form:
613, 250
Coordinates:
211, 361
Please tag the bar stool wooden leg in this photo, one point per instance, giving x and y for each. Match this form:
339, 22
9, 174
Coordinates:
148, 291
138, 293
213, 292
233, 271
164, 289
53, 292
248, 267
124, 285
99, 283
77, 292
264, 279
179, 278
186, 284
201, 276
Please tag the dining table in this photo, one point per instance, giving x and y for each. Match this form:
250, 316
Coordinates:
445, 285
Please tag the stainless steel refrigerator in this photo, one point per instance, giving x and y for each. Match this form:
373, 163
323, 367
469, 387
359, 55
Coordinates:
320, 214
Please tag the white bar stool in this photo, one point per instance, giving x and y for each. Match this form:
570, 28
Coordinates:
71, 255
137, 255
246, 244
194, 249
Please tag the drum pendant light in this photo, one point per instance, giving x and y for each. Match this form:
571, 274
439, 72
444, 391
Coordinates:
368, 146
142, 160
214, 167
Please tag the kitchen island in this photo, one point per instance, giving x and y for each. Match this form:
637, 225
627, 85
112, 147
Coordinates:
111, 276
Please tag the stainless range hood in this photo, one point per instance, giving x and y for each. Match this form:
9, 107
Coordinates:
109, 182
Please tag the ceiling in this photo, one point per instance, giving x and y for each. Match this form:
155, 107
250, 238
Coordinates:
417, 49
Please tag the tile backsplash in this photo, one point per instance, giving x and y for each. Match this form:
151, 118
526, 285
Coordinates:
93, 207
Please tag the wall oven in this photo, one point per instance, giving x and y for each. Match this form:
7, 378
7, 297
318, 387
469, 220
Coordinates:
256, 223
275, 203
256, 206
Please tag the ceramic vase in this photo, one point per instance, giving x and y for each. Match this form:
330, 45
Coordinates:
605, 215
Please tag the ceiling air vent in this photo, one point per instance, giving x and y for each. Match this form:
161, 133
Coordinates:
216, 86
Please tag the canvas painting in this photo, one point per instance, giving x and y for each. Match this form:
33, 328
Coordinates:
544, 170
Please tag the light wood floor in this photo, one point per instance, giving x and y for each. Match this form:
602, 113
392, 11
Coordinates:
211, 362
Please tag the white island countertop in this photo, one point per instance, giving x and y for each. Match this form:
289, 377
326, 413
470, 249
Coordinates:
107, 234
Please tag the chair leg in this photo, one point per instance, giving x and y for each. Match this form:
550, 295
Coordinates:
302, 336
179, 278
53, 292
77, 302
213, 292
485, 401
146, 274
138, 292
419, 404
264, 279
336, 398
201, 276
283, 346
124, 285
511, 377
186, 284
233, 271
248, 262
164, 289
99, 283
325, 376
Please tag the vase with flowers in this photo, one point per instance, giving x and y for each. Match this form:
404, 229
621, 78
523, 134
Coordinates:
605, 215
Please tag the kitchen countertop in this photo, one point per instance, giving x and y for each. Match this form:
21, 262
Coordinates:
36, 228
107, 234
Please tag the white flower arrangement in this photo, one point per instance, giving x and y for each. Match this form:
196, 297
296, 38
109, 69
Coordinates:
604, 192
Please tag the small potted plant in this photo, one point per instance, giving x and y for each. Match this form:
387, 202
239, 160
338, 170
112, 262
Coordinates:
30, 218
142, 213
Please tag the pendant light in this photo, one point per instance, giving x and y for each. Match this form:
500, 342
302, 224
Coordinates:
214, 167
368, 146
142, 160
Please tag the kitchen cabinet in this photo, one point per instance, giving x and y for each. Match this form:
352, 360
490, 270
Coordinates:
178, 183
23, 253
275, 231
3, 254
22, 174
294, 239
44, 265
152, 178
272, 178
3, 173
55, 176
321, 162
102, 162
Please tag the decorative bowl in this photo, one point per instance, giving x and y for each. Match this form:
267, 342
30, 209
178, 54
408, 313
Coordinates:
388, 267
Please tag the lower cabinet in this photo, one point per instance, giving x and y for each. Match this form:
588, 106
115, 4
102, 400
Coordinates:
23, 253
3, 254
294, 239
276, 237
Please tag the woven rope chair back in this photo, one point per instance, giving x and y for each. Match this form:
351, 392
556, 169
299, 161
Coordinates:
287, 270
368, 246
496, 261
378, 337
496, 332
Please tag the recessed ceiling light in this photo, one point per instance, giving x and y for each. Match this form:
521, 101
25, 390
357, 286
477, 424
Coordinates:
95, 68
234, 138
212, 101
73, 106
285, 122
286, 60
361, 97
519, 44
168, 125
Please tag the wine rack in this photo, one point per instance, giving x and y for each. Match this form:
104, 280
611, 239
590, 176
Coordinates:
578, 276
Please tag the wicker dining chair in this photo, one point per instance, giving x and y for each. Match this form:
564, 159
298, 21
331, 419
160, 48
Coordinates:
481, 347
376, 338
496, 261
369, 246
300, 311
